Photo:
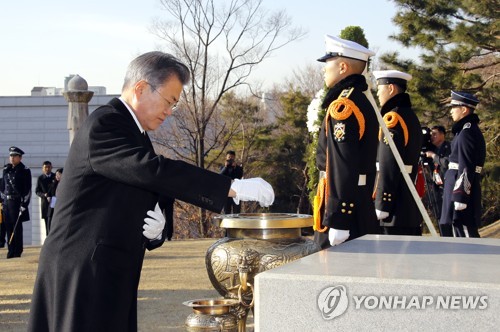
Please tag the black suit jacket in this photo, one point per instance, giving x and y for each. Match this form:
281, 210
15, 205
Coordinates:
91, 262
42, 187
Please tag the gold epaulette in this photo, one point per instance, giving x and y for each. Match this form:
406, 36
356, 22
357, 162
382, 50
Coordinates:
391, 119
342, 108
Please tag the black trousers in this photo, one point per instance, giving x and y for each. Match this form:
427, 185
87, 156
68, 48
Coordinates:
11, 214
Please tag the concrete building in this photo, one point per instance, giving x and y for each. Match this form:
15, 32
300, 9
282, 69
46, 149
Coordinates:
38, 125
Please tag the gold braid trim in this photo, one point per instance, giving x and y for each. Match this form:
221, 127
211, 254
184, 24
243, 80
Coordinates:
391, 119
342, 108
319, 202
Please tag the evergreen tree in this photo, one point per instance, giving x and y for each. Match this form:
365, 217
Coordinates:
459, 40
284, 150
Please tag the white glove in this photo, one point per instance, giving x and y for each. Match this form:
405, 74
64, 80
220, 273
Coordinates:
254, 189
460, 206
153, 227
337, 236
22, 209
381, 214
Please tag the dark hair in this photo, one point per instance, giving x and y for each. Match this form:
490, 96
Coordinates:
155, 68
59, 170
47, 163
231, 152
440, 129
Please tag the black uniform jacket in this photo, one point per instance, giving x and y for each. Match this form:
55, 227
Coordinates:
463, 185
392, 193
42, 187
349, 205
90, 264
16, 182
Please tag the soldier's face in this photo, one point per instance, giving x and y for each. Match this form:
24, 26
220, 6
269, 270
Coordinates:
333, 71
15, 159
384, 93
458, 112
154, 104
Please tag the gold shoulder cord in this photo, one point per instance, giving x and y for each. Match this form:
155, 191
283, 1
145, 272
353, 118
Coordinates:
391, 119
340, 109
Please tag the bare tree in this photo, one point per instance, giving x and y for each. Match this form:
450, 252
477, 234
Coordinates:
221, 42
308, 80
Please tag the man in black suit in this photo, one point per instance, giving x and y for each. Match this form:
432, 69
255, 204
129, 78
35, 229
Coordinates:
90, 265
233, 171
42, 188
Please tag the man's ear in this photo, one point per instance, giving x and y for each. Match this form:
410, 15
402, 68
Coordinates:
139, 88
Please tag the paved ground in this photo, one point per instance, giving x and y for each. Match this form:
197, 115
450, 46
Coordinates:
171, 275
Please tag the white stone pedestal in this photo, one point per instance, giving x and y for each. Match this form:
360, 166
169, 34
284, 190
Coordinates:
385, 283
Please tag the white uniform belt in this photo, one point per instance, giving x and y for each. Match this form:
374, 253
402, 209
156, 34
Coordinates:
361, 179
408, 168
452, 165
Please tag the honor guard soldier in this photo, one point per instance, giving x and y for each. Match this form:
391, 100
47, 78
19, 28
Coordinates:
347, 148
461, 211
15, 189
395, 207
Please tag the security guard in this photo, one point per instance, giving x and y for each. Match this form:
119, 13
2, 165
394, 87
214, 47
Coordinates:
15, 189
395, 207
347, 148
462, 183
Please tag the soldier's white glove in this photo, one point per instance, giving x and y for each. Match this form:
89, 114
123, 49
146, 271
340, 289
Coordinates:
153, 226
460, 206
381, 214
22, 209
253, 189
337, 236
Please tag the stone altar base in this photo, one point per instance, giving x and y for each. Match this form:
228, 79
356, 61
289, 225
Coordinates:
385, 283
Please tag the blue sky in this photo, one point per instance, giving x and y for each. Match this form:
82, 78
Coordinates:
44, 41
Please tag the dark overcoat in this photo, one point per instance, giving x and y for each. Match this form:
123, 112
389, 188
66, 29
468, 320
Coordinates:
16, 182
463, 183
90, 264
349, 205
392, 193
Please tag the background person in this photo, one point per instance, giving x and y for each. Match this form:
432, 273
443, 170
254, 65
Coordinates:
462, 182
52, 195
42, 188
233, 171
395, 207
15, 190
90, 264
347, 148
438, 165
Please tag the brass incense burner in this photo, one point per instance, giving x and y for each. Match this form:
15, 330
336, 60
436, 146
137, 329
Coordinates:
254, 242
212, 315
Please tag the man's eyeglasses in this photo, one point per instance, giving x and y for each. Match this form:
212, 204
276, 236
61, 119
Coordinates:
172, 105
